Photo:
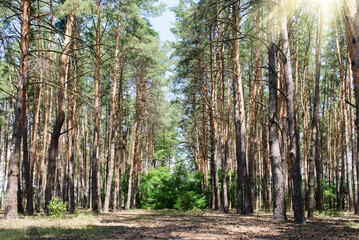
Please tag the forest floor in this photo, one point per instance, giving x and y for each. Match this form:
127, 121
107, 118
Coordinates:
172, 224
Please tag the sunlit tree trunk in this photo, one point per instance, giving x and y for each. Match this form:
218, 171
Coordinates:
131, 180
354, 142
113, 121
41, 180
294, 152
279, 207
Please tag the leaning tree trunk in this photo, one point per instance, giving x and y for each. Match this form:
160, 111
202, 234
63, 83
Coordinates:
294, 152
61, 105
12, 189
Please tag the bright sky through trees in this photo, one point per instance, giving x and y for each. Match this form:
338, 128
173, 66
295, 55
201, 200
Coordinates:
163, 23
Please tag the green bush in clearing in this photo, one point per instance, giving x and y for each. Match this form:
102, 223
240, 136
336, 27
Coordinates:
180, 189
57, 207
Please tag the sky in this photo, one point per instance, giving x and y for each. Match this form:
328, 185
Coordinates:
162, 24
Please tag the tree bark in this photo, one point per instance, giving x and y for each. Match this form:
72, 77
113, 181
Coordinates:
279, 207
314, 155
6, 146
113, 121
354, 142
135, 133
294, 152
239, 118
54, 143
253, 116
12, 188
72, 125
42, 164
96, 204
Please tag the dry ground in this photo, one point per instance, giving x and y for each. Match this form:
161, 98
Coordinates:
171, 224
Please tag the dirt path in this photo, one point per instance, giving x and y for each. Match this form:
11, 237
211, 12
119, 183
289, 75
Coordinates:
170, 224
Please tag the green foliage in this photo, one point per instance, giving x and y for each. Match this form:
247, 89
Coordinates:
329, 192
57, 207
161, 189
80, 7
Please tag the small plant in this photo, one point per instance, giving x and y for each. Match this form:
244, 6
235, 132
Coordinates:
57, 207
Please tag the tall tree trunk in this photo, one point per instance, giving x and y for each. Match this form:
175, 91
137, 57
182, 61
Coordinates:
294, 152
96, 204
239, 118
120, 160
54, 143
348, 155
279, 208
266, 167
306, 131
113, 121
72, 117
12, 188
135, 133
25, 176
352, 24
59, 167
314, 155
354, 142
214, 135
85, 174
253, 117
33, 146
41, 165
6, 145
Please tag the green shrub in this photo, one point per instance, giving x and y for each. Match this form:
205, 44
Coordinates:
57, 207
180, 189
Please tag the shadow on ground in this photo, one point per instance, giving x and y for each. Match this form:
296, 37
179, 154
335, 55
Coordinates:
144, 224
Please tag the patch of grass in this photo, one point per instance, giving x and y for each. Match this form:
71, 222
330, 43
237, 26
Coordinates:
349, 224
329, 213
84, 216
12, 234
88, 232
175, 212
